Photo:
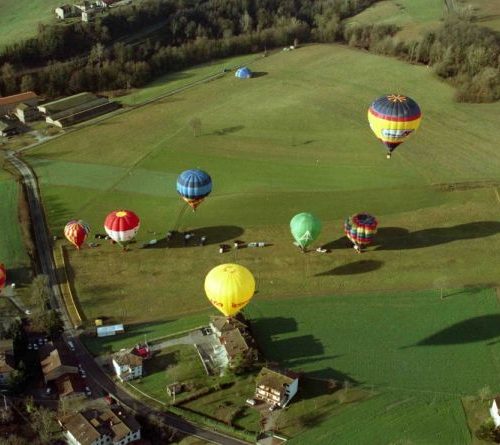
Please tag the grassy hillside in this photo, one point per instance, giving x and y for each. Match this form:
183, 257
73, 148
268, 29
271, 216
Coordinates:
19, 18
293, 139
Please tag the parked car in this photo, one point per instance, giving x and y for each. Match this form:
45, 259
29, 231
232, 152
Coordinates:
82, 371
48, 391
88, 392
35, 346
71, 345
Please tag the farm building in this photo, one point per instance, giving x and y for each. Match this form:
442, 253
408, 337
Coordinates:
7, 129
26, 113
127, 366
106, 331
9, 103
75, 109
495, 411
54, 364
100, 426
65, 11
276, 388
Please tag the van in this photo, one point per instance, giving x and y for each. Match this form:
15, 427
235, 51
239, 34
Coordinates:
71, 345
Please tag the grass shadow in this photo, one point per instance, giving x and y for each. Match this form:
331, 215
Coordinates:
213, 235
228, 130
396, 238
357, 267
477, 329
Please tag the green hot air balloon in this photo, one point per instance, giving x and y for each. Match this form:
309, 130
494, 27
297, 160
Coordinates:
305, 229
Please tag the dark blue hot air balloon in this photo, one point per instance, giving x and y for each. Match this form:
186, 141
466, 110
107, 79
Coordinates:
194, 186
243, 73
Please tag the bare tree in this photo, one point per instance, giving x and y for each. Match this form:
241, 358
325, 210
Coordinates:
195, 124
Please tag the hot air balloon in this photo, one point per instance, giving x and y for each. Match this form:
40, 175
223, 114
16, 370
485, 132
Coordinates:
193, 186
360, 229
393, 118
76, 231
305, 229
122, 226
3, 276
229, 287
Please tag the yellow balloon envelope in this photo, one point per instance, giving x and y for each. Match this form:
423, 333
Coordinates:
229, 287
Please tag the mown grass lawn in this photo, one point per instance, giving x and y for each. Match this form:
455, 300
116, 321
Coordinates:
418, 353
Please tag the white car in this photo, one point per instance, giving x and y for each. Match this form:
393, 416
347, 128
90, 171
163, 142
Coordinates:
82, 371
35, 346
88, 392
30, 346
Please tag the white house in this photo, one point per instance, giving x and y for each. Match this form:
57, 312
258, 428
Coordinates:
102, 426
276, 388
494, 411
127, 366
64, 11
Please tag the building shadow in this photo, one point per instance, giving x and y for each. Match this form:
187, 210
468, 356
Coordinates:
357, 267
273, 326
213, 235
396, 238
477, 329
21, 276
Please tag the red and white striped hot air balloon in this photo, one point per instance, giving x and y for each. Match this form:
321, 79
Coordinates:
3, 276
122, 226
76, 232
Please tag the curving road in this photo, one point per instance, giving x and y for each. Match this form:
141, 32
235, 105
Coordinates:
95, 373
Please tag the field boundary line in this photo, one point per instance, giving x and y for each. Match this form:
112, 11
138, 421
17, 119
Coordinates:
69, 301
146, 395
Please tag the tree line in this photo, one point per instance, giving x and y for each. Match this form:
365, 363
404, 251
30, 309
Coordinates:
131, 45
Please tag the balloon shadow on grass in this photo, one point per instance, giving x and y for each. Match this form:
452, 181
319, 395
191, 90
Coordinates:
256, 74
357, 267
228, 130
477, 329
213, 235
396, 238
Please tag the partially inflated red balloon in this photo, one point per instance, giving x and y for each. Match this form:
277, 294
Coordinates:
3, 275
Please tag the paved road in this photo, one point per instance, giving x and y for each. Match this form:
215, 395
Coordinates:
94, 372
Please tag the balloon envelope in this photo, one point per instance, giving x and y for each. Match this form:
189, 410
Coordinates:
305, 228
122, 225
76, 232
229, 287
3, 276
393, 118
193, 186
361, 228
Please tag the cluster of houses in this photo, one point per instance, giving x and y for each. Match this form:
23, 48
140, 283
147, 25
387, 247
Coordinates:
86, 10
101, 426
24, 108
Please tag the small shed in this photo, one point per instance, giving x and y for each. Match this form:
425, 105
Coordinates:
174, 389
105, 331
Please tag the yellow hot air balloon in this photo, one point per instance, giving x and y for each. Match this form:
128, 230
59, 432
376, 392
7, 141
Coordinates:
229, 287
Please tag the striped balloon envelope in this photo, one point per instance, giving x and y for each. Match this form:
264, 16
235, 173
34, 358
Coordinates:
3, 276
194, 186
122, 226
361, 228
393, 118
76, 232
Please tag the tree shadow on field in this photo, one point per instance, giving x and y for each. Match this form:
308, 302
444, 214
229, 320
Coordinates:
228, 130
396, 238
257, 74
161, 363
21, 276
214, 235
473, 330
357, 267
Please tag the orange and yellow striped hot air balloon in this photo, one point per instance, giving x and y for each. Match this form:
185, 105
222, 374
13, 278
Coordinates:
76, 232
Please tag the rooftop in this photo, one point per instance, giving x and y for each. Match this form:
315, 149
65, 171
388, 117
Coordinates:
16, 98
66, 103
275, 379
127, 358
88, 426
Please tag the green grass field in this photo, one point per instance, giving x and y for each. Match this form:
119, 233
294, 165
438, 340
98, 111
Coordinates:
295, 138
420, 354
12, 249
19, 18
